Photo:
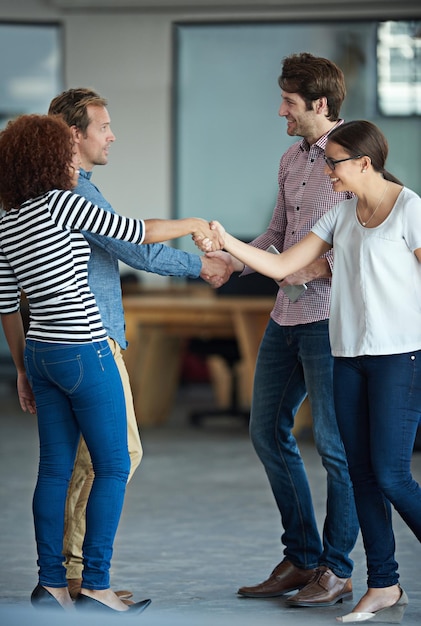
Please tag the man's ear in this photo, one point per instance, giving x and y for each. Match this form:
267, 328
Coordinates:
320, 105
76, 134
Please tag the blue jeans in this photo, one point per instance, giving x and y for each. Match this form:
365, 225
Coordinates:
378, 405
294, 361
77, 390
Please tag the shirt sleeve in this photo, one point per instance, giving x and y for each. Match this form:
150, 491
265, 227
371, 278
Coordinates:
75, 212
412, 222
275, 232
325, 226
155, 258
9, 288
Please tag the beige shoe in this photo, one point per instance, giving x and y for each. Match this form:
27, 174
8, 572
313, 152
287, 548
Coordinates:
389, 615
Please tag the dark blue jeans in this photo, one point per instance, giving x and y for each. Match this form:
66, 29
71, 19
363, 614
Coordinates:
294, 361
78, 390
378, 406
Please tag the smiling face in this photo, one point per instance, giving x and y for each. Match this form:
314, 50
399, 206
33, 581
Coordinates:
342, 167
300, 120
93, 147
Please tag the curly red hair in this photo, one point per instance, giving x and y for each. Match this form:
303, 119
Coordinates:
36, 153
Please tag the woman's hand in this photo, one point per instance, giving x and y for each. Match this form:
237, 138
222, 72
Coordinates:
211, 238
207, 238
26, 396
217, 227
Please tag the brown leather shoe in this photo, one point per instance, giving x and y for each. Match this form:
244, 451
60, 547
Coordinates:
325, 589
284, 578
74, 585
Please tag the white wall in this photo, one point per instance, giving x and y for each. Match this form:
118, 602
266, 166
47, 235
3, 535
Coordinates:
126, 56
129, 63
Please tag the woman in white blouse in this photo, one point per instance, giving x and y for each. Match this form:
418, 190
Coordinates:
375, 334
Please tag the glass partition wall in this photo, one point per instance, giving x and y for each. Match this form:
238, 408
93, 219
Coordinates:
31, 72
227, 136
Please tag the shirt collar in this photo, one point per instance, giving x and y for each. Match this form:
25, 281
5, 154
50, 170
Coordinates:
321, 142
85, 174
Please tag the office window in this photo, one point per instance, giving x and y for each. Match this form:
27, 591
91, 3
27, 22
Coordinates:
31, 69
399, 68
228, 136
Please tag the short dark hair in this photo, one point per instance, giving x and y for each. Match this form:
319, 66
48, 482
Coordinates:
312, 78
73, 104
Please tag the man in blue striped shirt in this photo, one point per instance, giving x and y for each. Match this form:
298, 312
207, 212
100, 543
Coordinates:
86, 113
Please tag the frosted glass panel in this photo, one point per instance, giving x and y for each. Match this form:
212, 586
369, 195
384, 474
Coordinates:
31, 68
228, 138
399, 68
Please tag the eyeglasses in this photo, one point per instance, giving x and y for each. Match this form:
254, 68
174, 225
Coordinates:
331, 163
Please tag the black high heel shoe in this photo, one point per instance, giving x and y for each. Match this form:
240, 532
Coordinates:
43, 599
88, 604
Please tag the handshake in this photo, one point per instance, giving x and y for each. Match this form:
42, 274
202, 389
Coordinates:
209, 236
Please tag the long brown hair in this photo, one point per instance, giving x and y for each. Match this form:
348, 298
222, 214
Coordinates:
364, 138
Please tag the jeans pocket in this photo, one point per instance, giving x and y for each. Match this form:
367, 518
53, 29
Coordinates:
66, 373
103, 351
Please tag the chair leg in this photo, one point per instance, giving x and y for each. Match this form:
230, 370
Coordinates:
232, 410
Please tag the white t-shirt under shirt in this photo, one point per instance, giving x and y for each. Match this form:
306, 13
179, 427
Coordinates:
376, 284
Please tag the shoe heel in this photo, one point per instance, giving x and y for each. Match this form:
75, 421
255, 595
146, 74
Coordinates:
88, 604
347, 596
43, 599
389, 615
392, 614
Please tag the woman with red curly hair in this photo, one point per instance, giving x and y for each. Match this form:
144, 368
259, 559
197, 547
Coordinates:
66, 371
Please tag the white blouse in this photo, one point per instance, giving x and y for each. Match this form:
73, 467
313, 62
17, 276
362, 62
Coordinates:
376, 283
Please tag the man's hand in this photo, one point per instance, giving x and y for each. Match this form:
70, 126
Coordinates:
217, 268
318, 269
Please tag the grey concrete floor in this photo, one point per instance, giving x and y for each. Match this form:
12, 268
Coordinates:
199, 521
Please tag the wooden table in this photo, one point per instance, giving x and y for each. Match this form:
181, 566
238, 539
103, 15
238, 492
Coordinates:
158, 325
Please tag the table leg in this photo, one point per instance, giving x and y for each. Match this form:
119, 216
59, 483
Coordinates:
154, 368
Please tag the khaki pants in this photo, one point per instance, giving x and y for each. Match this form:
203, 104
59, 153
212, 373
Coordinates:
83, 476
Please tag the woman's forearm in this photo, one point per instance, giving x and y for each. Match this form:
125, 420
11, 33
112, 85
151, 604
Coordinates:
277, 266
15, 337
157, 230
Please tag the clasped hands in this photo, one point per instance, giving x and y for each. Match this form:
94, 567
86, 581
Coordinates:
209, 237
